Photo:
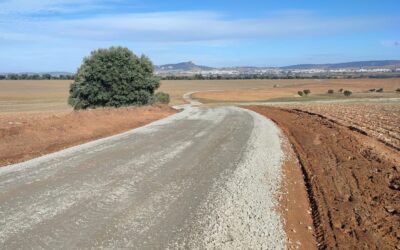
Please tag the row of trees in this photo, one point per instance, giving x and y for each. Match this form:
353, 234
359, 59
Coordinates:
345, 92
35, 77
306, 92
200, 77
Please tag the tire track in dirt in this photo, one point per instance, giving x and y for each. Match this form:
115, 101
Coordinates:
352, 180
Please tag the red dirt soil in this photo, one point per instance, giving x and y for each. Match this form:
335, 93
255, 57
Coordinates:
294, 205
352, 180
28, 135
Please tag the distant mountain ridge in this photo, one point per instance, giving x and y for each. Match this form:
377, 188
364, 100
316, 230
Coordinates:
184, 66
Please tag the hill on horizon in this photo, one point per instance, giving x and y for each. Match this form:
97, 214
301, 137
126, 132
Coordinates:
191, 66
183, 66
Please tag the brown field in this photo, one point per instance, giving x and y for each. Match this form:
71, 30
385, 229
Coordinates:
381, 121
289, 88
46, 95
32, 95
352, 180
177, 88
28, 135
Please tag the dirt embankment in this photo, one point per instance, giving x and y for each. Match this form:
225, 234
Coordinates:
294, 205
28, 135
352, 180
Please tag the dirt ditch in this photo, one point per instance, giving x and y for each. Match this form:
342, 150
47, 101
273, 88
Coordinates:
352, 181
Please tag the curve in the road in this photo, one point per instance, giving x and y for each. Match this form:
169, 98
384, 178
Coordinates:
200, 179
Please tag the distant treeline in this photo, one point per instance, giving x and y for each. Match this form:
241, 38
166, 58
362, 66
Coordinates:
275, 77
35, 77
211, 77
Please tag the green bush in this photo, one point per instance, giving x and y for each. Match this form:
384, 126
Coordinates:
300, 93
113, 77
347, 93
307, 91
330, 91
161, 97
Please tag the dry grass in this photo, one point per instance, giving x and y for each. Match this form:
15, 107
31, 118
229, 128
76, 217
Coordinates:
47, 95
177, 88
34, 95
289, 88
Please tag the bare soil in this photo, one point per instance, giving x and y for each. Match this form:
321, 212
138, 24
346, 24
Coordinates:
294, 205
28, 135
352, 180
380, 120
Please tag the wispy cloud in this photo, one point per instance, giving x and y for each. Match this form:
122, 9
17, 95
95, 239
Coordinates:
194, 26
25, 7
40, 32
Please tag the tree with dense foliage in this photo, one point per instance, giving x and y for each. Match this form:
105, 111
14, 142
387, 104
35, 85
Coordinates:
113, 77
347, 93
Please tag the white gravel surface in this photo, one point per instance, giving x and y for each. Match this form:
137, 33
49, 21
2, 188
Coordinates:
243, 202
200, 179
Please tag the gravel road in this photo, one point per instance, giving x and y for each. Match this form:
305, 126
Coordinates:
200, 179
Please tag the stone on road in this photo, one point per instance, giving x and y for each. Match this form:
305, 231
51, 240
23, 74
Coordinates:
200, 179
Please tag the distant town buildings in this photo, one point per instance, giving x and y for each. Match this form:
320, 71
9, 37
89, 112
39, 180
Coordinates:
270, 71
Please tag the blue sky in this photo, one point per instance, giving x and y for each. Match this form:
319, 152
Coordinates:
54, 35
